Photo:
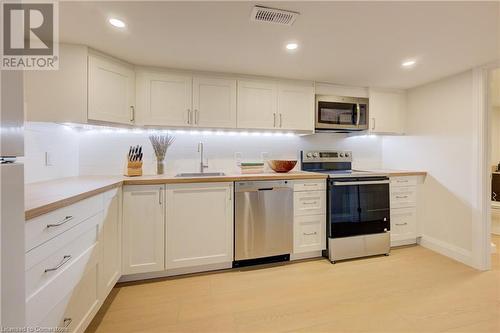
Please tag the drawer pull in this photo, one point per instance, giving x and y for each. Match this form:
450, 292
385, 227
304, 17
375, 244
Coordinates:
66, 219
313, 184
401, 197
402, 223
402, 181
310, 203
64, 260
310, 233
67, 322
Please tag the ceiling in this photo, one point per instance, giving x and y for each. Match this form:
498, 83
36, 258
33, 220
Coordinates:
352, 43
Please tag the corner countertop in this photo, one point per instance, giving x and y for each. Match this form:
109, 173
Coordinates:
43, 197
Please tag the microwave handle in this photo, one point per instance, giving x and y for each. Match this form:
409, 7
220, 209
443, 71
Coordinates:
358, 110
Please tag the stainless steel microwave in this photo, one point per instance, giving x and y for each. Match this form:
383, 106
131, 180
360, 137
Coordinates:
338, 113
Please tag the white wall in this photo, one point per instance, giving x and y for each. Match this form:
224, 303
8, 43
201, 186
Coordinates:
439, 140
495, 136
104, 152
59, 141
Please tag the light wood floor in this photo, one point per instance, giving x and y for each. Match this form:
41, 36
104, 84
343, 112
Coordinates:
413, 290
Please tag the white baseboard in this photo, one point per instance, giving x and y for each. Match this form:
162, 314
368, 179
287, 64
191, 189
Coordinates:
402, 242
448, 250
175, 271
305, 255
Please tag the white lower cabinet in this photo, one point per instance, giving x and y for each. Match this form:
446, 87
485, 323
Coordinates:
143, 229
403, 197
111, 245
309, 222
199, 225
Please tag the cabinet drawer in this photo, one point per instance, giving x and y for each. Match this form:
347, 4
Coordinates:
44, 299
309, 233
402, 197
75, 311
309, 203
403, 224
309, 185
403, 181
45, 227
46, 262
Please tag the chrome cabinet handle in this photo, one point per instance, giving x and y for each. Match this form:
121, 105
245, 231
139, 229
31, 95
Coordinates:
402, 223
67, 322
281, 120
401, 196
373, 124
310, 184
66, 219
274, 119
310, 203
189, 117
310, 234
358, 111
132, 113
196, 118
160, 196
64, 260
402, 181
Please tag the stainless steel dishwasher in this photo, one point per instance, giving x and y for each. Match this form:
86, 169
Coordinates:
263, 221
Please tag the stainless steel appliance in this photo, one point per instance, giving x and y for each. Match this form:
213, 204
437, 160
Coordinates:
263, 221
358, 209
338, 113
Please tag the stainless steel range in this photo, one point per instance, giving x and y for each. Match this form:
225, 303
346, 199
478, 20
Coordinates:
358, 205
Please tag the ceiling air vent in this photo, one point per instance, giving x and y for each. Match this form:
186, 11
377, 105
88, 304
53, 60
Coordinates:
273, 15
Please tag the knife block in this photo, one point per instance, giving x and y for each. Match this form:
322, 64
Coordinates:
133, 169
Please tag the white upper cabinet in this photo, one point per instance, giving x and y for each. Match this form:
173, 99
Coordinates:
164, 99
111, 90
199, 225
214, 102
387, 111
60, 95
143, 243
257, 104
296, 107
495, 88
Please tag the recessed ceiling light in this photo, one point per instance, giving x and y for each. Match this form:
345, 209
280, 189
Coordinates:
117, 23
408, 63
292, 46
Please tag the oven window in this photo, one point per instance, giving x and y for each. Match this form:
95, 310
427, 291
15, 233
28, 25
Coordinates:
337, 113
374, 203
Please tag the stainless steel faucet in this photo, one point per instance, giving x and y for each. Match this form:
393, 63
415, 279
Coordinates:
203, 166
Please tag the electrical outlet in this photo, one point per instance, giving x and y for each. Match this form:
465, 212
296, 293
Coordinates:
48, 158
238, 157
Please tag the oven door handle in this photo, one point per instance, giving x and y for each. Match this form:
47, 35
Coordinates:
368, 182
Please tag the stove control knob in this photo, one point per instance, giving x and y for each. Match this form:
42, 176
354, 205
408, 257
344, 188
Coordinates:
309, 155
316, 155
341, 154
346, 154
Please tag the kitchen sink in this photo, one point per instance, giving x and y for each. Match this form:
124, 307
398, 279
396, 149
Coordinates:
200, 174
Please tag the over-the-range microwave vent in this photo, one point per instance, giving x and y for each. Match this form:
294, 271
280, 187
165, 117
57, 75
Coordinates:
273, 15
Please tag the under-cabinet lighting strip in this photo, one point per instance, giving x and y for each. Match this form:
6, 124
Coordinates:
120, 130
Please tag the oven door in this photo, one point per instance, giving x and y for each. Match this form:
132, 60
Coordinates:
341, 113
358, 206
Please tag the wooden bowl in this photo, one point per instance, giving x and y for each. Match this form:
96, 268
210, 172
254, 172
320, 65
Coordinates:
282, 165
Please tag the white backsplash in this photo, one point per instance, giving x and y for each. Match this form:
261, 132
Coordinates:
102, 152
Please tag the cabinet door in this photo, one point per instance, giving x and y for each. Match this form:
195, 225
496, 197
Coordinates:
111, 246
61, 95
143, 229
111, 94
164, 99
257, 105
214, 102
387, 111
199, 224
296, 107
309, 233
